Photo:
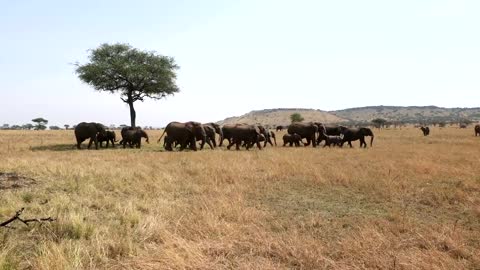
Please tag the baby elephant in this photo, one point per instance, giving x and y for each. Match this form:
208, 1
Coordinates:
108, 136
292, 139
335, 140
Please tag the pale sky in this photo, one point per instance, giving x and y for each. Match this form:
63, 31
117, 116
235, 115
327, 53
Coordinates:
238, 56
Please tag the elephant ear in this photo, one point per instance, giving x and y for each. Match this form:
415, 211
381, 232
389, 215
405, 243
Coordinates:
189, 127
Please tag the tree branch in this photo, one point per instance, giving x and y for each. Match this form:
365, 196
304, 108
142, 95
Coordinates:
24, 221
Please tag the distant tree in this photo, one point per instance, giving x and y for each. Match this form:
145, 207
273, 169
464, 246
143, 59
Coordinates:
66, 126
379, 122
54, 127
123, 125
16, 127
5, 126
41, 123
27, 126
134, 73
296, 117
442, 124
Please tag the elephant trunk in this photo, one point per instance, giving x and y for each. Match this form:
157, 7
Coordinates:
371, 141
147, 141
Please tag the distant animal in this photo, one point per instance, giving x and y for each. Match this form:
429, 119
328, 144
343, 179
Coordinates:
463, 125
280, 128
133, 136
109, 137
335, 140
477, 130
292, 139
425, 130
90, 131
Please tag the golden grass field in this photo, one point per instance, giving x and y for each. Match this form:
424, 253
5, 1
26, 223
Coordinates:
410, 202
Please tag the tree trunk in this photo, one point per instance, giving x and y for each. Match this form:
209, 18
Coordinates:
133, 115
130, 101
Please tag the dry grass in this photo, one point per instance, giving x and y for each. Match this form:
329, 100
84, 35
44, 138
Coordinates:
410, 202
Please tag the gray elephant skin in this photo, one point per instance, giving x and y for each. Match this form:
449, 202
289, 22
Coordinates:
218, 130
109, 136
292, 139
133, 137
185, 134
305, 130
353, 134
84, 131
238, 133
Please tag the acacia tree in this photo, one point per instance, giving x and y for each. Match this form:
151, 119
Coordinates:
41, 123
296, 117
135, 74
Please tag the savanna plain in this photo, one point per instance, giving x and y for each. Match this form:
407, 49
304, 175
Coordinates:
409, 202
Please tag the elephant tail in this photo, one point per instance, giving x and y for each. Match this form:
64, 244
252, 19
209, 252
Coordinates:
162, 135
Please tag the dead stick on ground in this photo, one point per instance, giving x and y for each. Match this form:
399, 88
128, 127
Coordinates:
24, 221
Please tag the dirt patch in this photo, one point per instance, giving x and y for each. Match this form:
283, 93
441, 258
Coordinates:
13, 180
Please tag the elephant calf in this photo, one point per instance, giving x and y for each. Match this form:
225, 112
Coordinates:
109, 137
333, 139
133, 136
292, 139
477, 130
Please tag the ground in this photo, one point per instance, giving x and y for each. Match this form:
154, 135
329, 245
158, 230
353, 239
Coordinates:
410, 202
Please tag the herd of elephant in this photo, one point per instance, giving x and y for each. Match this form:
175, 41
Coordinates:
186, 135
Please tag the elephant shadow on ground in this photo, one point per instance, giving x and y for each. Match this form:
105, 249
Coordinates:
56, 147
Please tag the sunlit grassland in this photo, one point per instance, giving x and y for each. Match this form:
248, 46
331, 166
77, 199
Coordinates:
410, 202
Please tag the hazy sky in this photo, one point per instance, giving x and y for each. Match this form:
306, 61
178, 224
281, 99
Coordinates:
238, 56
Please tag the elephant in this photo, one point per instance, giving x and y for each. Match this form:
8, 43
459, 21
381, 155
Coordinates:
463, 125
353, 134
477, 130
108, 137
185, 134
267, 135
227, 131
329, 131
242, 133
333, 139
210, 132
280, 128
133, 136
218, 130
292, 139
305, 130
425, 130
90, 131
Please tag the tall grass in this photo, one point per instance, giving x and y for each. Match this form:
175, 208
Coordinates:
410, 202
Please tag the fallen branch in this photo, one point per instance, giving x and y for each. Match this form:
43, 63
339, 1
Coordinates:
24, 221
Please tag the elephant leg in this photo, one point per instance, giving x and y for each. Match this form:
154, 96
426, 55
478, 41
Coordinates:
314, 142
79, 141
350, 143
124, 143
230, 144
90, 143
237, 144
209, 142
308, 142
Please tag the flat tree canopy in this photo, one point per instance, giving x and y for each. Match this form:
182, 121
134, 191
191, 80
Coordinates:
296, 117
134, 73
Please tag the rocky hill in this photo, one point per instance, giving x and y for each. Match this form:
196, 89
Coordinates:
408, 114
273, 117
411, 114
